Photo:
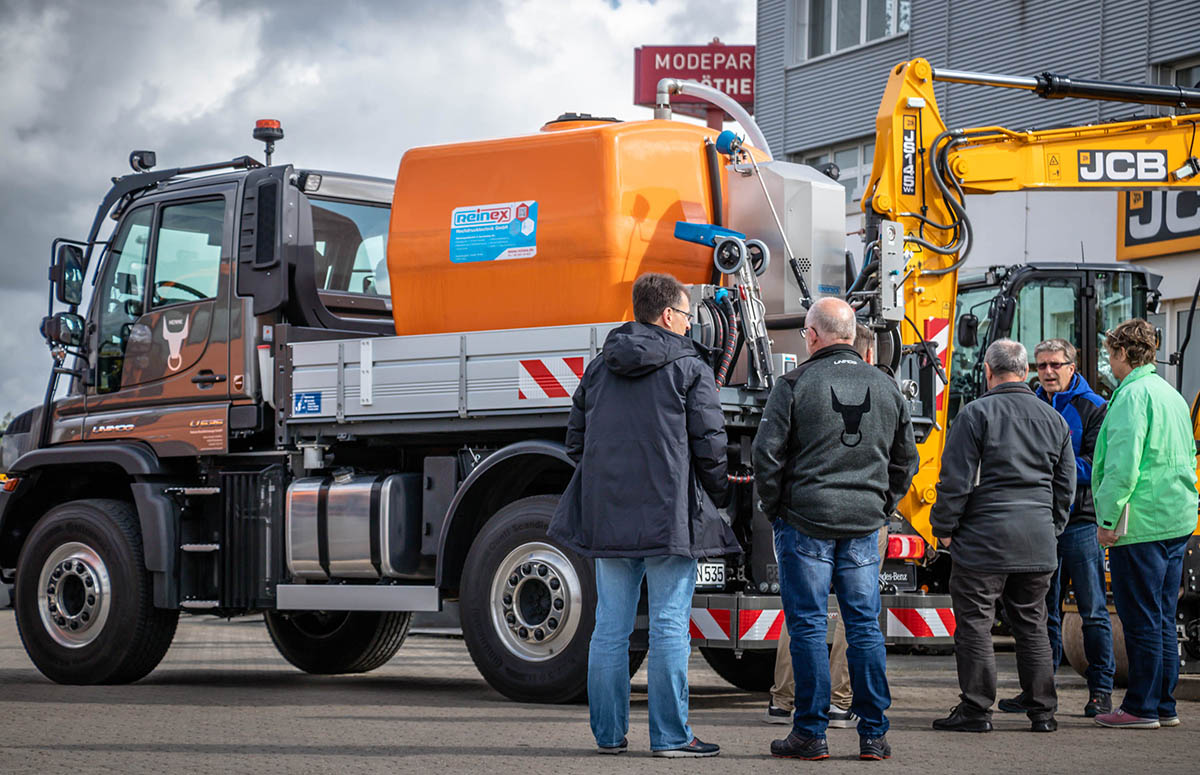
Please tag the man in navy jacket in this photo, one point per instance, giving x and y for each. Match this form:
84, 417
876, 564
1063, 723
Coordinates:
648, 434
1080, 558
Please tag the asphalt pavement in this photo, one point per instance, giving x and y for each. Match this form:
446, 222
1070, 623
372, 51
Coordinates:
224, 702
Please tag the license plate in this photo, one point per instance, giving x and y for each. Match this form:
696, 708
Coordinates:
710, 574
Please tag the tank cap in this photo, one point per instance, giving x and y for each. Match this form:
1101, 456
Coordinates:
583, 117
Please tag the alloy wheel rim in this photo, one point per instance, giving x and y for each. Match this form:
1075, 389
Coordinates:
536, 601
74, 594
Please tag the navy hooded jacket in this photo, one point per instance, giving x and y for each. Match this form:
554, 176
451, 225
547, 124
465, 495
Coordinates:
648, 436
1083, 409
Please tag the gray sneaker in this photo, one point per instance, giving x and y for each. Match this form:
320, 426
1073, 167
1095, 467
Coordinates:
841, 719
620, 747
695, 749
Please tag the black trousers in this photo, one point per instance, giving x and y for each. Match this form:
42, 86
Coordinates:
974, 595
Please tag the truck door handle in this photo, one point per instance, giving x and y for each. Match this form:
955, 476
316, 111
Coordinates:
206, 377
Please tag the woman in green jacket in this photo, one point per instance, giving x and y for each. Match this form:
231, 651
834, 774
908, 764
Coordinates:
1144, 485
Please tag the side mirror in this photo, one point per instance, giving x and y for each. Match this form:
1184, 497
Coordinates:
1004, 311
65, 328
968, 330
68, 274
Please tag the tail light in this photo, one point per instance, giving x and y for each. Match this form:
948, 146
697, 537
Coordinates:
905, 547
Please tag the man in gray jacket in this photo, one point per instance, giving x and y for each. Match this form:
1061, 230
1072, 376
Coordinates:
1005, 490
832, 457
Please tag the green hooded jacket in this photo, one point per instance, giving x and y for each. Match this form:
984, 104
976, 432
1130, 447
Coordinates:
1146, 457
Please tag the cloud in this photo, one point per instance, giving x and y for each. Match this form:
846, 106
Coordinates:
354, 83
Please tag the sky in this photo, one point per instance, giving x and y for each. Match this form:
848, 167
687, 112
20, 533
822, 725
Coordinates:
354, 83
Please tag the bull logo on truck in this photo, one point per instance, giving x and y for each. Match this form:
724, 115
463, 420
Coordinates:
175, 331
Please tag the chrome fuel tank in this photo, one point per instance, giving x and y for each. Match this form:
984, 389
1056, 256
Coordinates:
354, 527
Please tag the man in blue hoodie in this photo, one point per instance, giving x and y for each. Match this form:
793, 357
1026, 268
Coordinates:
1080, 558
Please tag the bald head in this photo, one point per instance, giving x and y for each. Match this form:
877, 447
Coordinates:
833, 320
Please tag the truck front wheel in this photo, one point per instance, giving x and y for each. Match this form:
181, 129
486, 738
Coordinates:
528, 606
333, 642
84, 600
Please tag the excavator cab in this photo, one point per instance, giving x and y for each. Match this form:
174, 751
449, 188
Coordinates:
1033, 302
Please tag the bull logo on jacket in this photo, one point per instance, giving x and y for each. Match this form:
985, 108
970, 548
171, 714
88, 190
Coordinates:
852, 415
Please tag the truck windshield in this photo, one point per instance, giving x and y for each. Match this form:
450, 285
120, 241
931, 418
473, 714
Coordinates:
350, 241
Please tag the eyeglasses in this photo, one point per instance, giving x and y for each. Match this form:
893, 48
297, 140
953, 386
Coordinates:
1056, 365
804, 332
691, 316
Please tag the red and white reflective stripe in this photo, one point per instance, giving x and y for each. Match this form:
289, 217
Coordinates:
710, 623
548, 377
920, 622
905, 547
937, 333
760, 625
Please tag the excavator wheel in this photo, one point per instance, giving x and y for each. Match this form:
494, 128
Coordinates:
1072, 636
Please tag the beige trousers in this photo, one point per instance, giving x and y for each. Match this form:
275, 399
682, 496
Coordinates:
783, 693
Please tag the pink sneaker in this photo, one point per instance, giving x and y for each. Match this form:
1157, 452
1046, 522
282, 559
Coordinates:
1119, 719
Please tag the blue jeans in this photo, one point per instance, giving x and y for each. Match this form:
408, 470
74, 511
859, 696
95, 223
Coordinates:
807, 566
1081, 564
1145, 585
670, 581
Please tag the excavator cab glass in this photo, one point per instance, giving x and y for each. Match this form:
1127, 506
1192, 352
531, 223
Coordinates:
1033, 303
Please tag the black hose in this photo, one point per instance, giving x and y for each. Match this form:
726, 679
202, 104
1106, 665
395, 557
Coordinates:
785, 322
863, 276
720, 324
732, 342
1187, 337
714, 192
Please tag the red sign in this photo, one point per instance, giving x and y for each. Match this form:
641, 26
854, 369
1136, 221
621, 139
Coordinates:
726, 68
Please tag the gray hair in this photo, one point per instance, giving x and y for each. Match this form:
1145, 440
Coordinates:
1056, 346
833, 319
1007, 356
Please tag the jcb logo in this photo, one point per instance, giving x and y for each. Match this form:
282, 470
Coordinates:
1095, 166
1152, 223
908, 147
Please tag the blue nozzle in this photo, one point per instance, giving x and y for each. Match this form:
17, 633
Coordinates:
721, 294
728, 142
703, 233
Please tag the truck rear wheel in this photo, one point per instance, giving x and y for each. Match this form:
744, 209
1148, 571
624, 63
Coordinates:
334, 642
528, 606
754, 671
84, 600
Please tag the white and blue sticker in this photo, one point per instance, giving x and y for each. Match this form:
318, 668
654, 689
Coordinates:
306, 403
494, 232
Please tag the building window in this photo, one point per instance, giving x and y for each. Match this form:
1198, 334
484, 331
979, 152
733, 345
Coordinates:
828, 26
853, 160
1185, 73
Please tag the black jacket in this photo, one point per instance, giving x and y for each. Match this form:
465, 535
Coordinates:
648, 434
1006, 484
834, 453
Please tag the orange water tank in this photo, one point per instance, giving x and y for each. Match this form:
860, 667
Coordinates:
545, 229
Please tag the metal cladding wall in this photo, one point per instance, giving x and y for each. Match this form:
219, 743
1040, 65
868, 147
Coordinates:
768, 80
834, 98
